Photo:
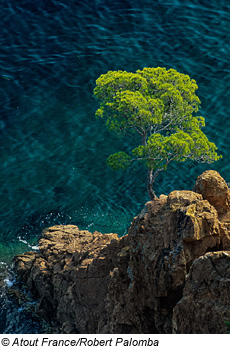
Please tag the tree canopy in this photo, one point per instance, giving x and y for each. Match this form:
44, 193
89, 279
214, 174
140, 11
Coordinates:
160, 106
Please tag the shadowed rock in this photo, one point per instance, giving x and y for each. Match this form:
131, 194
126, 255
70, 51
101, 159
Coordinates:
205, 306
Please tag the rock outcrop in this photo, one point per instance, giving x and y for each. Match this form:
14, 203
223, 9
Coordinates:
213, 188
205, 306
164, 240
70, 276
94, 283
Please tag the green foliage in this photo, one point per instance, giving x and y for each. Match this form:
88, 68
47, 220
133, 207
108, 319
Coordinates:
158, 105
119, 160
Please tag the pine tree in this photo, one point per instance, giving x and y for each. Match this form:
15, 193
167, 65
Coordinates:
160, 106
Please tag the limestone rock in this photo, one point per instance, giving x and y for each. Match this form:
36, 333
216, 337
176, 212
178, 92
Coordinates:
214, 188
205, 306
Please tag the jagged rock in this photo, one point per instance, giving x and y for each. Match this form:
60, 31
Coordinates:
205, 306
164, 241
214, 188
70, 276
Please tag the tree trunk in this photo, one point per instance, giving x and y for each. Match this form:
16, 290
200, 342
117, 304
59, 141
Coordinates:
150, 181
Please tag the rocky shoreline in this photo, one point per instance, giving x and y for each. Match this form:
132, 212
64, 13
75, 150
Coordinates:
169, 274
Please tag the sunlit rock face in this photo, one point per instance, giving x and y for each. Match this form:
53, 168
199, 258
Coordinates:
70, 276
213, 188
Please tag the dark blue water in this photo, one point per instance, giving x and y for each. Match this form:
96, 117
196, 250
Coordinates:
53, 150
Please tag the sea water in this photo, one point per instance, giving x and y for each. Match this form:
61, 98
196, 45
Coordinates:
53, 149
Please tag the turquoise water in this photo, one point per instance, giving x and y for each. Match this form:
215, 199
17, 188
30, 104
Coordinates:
53, 149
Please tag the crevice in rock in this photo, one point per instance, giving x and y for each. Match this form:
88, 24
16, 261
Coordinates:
216, 248
174, 296
148, 321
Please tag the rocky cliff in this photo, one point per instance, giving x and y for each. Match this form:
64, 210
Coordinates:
170, 273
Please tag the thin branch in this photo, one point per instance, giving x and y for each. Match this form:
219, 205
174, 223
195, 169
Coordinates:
161, 169
156, 173
165, 127
138, 131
